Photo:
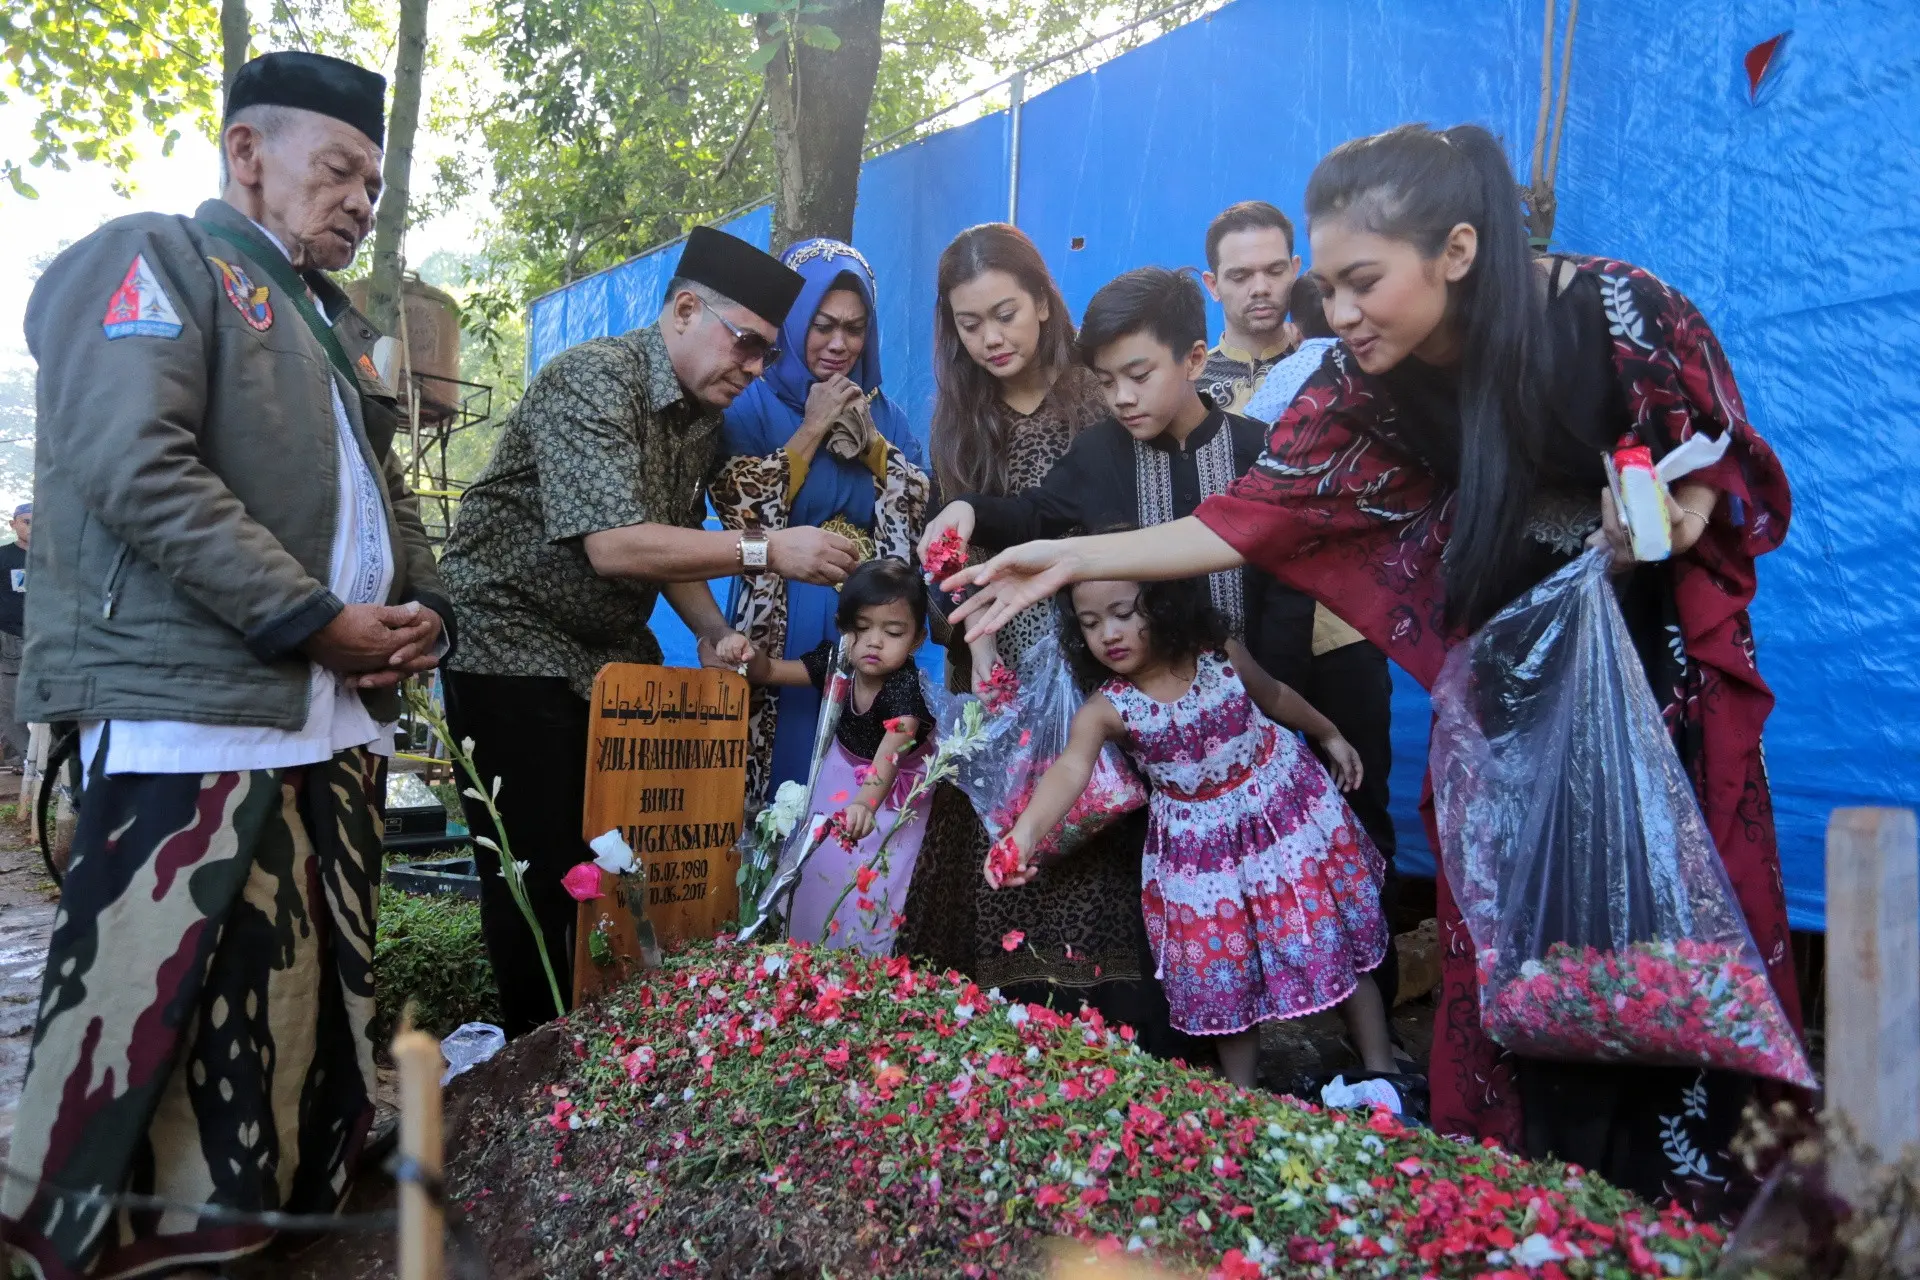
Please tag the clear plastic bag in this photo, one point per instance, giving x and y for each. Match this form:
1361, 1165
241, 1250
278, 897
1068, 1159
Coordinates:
1026, 737
471, 1044
1605, 926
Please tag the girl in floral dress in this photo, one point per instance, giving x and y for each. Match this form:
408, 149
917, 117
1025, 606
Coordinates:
1260, 888
1011, 398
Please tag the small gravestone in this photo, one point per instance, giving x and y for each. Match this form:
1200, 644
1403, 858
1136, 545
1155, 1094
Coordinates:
667, 769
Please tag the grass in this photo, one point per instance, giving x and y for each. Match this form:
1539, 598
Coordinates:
428, 951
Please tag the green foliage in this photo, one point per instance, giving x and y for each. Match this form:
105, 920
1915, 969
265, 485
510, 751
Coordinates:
780, 21
621, 128
102, 73
428, 949
614, 130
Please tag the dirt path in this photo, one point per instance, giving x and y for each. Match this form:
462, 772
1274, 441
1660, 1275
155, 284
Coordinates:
28, 901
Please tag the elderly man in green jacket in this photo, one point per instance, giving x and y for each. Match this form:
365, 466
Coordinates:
229, 581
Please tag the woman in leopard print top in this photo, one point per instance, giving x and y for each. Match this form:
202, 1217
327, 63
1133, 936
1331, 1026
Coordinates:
814, 442
1011, 398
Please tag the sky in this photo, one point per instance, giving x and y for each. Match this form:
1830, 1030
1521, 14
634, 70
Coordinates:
75, 202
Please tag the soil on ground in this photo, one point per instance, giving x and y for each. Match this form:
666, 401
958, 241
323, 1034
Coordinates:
28, 901
512, 1226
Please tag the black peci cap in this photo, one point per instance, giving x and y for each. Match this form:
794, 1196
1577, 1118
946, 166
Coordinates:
314, 82
735, 269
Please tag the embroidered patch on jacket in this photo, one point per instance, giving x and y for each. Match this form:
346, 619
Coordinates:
370, 380
247, 298
140, 308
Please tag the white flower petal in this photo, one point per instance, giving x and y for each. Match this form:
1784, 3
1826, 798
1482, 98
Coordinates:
611, 853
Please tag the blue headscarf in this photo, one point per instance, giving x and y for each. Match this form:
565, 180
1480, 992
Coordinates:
764, 418
769, 411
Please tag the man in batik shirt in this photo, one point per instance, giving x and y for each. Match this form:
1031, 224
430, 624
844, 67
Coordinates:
590, 510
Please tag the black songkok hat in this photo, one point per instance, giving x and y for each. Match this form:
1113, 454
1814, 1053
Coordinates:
737, 271
314, 82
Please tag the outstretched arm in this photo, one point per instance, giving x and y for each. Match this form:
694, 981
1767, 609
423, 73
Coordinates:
762, 669
1026, 575
1065, 779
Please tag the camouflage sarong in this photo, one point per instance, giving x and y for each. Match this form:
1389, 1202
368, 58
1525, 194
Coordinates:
202, 1033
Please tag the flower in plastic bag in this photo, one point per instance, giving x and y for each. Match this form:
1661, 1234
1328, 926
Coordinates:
583, 882
789, 804
1683, 1001
1002, 686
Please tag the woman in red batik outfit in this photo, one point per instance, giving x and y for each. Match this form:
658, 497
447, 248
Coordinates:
1445, 458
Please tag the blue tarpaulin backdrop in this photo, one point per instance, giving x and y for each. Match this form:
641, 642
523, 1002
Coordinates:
1793, 221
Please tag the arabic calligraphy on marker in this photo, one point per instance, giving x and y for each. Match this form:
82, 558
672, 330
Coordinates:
661, 702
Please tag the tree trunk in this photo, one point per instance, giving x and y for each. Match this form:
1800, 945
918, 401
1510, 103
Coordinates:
236, 33
390, 223
818, 100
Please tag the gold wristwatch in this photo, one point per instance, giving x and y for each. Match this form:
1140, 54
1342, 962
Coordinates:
752, 550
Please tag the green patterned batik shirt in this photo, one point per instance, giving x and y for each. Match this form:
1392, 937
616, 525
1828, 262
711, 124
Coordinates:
604, 437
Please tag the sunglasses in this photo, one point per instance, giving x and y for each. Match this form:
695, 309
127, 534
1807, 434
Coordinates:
747, 346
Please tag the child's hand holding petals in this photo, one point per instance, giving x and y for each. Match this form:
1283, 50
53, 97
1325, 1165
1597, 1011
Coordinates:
1007, 864
857, 821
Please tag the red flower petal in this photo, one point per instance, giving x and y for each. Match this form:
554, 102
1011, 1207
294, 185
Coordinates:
582, 883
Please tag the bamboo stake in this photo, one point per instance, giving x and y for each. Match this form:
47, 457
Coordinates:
422, 1228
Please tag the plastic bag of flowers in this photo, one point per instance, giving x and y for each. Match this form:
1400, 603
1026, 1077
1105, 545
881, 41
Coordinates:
1024, 735
1604, 924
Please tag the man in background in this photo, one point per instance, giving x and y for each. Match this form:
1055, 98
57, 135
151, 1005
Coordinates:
1250, 272
13, 605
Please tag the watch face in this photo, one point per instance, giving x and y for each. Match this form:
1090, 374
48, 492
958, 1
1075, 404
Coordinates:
753, 552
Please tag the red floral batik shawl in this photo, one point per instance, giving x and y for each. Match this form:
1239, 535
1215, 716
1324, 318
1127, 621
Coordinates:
1338, 507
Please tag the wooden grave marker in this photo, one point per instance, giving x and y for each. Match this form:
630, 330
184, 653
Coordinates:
1873, 985
667, 768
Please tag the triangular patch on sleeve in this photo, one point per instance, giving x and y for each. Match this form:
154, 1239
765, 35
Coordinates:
140, 308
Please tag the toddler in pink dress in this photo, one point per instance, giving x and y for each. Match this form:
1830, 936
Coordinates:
1260, 888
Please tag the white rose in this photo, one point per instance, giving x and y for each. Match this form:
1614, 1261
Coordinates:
789, 802
611, 853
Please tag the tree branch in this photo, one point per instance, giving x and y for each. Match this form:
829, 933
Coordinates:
739, 143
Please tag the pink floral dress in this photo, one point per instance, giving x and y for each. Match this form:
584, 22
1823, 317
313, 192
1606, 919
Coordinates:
1260, 888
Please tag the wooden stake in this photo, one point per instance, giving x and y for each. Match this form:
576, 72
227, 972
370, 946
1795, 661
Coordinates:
422, 1229
1873, 984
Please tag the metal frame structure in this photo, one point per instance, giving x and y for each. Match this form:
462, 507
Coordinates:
439, 409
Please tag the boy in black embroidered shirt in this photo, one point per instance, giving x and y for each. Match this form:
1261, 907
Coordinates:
1165, 448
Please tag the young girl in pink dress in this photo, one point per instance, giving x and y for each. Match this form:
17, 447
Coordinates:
845, 897
1261, 890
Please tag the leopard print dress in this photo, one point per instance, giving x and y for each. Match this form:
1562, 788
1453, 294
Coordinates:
1085, 939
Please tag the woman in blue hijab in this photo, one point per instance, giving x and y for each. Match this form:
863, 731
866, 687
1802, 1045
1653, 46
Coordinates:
815, 442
